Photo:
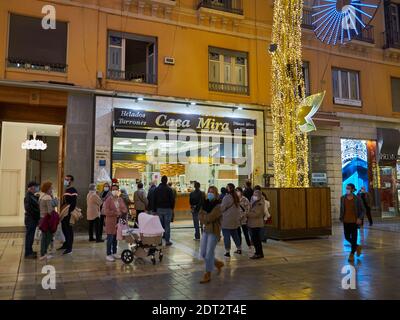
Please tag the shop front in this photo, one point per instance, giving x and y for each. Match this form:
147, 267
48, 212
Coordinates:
148, 139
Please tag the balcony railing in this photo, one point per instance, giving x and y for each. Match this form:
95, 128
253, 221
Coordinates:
131, 76
231, 6
307, 18
228, 88
366, 35
22, 63
392, 40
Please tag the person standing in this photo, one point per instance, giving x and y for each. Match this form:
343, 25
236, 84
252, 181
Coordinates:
93, 202
125, 197
366, 199
230, 219
196, 200
140, 200
210, 217
255, 222
150, 197
351, 215
104, 195
69, 199
47, 204
32, 217
244, 209
114, 207
223, 193
163, 204
248, 190
175, 194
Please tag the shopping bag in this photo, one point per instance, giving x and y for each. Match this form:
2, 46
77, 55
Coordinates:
59, 235
38, 234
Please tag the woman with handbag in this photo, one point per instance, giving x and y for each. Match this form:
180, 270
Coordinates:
47, 205
255, 222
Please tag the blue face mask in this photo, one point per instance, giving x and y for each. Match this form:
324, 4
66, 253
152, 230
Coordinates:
66, 183
210, 196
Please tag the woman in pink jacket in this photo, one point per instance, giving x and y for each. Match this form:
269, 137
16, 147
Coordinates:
113, 208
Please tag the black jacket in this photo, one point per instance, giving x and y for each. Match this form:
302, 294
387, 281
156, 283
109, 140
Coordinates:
248, 193
196, 200
150, 198
163, 197
31, 204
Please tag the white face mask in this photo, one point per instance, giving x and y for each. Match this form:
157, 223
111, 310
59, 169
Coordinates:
255, 198
115, 193
348, 191
106, 189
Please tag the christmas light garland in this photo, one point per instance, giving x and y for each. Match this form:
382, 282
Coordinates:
290, 144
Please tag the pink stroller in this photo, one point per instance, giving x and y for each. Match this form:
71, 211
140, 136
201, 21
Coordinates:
145, 240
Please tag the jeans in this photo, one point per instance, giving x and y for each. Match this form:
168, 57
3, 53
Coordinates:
45, 241
207, 249
196, 224
111, 244
245, 230
351, 234
68, 233
94, 225
228, 233
30, 226
165, 215
256, 235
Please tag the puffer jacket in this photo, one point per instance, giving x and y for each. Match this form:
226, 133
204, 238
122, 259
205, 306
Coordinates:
244, 209
230, 213
212, 221
255, 217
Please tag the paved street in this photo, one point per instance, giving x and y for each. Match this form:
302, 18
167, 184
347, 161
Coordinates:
304, 269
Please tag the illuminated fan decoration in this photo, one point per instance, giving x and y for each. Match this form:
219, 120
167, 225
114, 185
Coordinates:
342, 20
307, 109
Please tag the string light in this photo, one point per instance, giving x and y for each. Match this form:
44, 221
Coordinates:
290, 144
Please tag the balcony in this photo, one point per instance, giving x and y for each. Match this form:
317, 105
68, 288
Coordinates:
229, 6
228, 88
131, 76
366, 35
307, 19
21, 63
392, 40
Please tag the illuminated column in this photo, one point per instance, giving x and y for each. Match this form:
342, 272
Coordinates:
289, 143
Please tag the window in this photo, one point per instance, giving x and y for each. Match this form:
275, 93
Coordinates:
231, 6
132, 58
395, 94
306, 74
32, 47
228, 71
346, 87
392, 20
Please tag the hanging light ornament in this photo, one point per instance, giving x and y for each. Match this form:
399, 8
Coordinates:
290, 144
34, 144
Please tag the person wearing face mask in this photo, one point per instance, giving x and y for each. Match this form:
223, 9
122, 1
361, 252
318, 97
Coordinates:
93, 202
114, 207
230, 209
69, 199
244, 209
351, 215
255, 222
366, 199
32, 217
210, 217
103, 195
47, 204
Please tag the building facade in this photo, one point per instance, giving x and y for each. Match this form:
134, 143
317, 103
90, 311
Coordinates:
185, 60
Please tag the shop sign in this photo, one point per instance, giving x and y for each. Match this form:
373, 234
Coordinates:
319, 177
389, 143
141, 119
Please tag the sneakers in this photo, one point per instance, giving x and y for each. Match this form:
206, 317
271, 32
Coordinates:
238, 251
196, 239
359, 249
67, 252
227, 254
110, 258
256, 256
206, 277
43, 257
116, 256
49, 256
351, 258
168, 244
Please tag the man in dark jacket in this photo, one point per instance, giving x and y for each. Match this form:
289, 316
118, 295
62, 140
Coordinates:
32, 216
351, 214
164, 204
70, 198
196, 200
248, 191
150, 198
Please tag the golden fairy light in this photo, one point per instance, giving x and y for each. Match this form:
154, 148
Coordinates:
290, 144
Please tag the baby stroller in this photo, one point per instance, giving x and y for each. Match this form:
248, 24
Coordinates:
144, 241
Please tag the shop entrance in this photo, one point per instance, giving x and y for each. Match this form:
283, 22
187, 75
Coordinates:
22, 163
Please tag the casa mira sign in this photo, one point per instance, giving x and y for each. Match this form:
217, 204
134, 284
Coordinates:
141, 119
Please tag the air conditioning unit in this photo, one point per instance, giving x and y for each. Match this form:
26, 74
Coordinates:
169, 60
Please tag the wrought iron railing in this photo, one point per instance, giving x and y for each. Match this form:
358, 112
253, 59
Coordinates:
228, 87
307, 18
232, 6
131, 76
366, 34
392, 40
26, 64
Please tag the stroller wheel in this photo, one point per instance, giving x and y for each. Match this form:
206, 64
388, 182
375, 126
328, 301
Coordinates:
160, 256
127, 256
153, 260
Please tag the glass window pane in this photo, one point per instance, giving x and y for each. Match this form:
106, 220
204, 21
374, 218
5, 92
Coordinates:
344, 84
227, 73
335, 81
240, 75
353, 86
214, 71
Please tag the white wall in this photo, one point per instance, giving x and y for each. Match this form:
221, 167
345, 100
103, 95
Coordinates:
12, 174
